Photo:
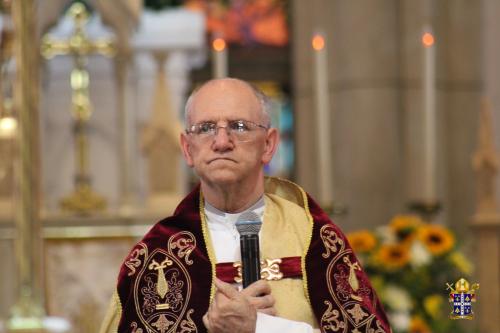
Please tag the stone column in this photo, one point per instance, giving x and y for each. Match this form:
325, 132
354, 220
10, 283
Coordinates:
486, 221
486, 225
29, 310
123, 97
460, 88
490, 24
365, 105
159, 143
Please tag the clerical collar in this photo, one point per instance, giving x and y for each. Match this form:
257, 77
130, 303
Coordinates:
216, 214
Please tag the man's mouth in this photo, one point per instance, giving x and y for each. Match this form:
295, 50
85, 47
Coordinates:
221, 159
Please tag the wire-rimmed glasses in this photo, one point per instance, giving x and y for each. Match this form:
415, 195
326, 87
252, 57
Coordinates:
240, 130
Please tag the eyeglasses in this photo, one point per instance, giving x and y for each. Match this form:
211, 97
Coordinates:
240, 130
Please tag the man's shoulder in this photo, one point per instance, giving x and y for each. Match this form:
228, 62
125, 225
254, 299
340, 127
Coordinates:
161, 236
163, 229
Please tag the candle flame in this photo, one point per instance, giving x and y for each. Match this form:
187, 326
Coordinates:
219, 44
318, 42
8, 127
427, 39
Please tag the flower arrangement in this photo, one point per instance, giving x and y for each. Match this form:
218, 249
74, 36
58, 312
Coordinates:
409, 263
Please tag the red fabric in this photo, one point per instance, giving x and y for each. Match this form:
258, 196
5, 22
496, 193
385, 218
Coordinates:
226, 272
189, 285
289, 266
328, 284
175, 247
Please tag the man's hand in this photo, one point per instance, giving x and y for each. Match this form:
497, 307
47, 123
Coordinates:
234, 311
259, 295
230, 311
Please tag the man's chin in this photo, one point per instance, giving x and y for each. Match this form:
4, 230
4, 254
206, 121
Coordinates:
218, 178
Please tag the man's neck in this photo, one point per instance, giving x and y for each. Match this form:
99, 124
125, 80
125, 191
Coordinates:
233, 198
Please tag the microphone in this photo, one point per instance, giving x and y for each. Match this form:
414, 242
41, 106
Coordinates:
248, 226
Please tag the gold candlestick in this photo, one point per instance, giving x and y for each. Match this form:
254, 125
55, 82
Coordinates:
83, 200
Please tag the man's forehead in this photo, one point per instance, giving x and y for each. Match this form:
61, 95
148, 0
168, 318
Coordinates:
225, 99
225, 87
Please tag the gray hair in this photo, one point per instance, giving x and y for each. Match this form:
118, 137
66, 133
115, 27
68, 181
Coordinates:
264, 101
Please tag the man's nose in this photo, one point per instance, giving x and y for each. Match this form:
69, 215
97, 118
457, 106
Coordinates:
222, 139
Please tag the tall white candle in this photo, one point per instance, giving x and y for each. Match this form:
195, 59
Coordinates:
323, 119
429, 116
219, 58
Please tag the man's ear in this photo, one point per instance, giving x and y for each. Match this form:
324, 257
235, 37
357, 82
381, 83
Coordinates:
272, 141
186, 151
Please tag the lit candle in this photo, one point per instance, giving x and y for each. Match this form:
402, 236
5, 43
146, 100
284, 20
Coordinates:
323, 119
219, 58
429, 131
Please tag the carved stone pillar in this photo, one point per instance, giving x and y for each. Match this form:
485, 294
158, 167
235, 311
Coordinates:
29, 310
486, 224
160, 145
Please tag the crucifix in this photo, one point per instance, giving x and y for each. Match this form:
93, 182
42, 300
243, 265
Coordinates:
83, 200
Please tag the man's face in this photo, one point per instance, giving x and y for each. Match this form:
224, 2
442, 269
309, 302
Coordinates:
222, 159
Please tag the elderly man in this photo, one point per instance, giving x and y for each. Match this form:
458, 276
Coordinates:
183, 275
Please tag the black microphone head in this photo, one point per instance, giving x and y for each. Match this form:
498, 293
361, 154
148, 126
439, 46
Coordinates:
248, 224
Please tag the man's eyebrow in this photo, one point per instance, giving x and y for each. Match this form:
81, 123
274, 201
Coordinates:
206, 121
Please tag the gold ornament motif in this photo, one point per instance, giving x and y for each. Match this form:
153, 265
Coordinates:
161, 284
379, 329
133, 262
270, 269
163, 324
134, 328
330, 319
161, 291
330, 240
188, 325
185, 243
357, 313
239, 277
353, 280
341, 285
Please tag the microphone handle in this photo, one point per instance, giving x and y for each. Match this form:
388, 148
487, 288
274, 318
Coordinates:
250, 259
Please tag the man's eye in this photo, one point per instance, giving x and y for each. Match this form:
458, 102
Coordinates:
206, 128
238, 126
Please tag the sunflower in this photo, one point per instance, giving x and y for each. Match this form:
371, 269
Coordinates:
393, 256
404, 226
433, 305
436, 238
418, 325
362, 241
461, 262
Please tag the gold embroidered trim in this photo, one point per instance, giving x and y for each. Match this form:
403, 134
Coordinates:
134, 261
208, 243
185, 243
161, 282
309, 237
172, 292
188, 325
119, 310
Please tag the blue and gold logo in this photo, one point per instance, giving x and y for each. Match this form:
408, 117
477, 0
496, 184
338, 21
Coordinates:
462, 297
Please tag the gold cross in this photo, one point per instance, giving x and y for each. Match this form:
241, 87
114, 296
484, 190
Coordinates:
83, 200
78, 45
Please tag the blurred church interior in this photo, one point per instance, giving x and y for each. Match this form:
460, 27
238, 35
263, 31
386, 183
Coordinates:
385, 107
